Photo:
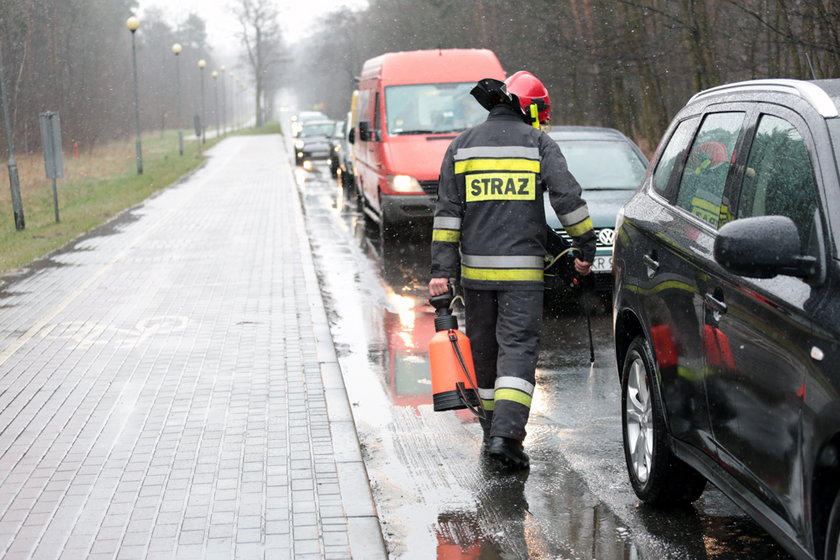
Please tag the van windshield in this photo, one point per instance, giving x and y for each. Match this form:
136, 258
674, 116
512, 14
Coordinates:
431, 108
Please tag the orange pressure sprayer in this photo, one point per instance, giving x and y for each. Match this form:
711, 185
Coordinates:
450, 354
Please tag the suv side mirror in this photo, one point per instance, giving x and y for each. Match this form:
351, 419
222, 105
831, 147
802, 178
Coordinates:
351, 136
763, 247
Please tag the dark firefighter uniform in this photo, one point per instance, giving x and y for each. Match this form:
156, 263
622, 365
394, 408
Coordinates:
489, 230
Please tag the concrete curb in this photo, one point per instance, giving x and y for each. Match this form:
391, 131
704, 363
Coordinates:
364, 530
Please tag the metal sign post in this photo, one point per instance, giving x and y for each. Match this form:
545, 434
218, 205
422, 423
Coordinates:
53, 156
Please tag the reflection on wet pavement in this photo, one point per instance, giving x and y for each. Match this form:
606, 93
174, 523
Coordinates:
435, 494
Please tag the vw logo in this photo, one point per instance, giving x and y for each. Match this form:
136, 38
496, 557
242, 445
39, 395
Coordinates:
606, 237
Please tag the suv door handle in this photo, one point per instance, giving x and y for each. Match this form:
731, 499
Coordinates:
649, 260
715, 303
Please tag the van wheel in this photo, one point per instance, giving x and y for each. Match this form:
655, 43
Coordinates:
832, 535
355, 195
658, 477
387, 230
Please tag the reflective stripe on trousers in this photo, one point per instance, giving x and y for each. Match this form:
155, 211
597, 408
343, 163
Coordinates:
504, 329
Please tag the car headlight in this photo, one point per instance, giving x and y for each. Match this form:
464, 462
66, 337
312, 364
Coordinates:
299, 144
404, 184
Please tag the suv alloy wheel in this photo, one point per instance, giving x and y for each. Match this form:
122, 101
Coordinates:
658, 477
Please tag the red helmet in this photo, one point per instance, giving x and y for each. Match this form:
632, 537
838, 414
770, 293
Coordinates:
529, 89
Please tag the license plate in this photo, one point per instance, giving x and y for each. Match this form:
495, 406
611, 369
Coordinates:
602, 264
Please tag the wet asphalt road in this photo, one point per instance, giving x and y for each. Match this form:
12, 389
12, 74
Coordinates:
436, 497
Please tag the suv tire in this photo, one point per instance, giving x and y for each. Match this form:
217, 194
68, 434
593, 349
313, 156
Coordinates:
658, 476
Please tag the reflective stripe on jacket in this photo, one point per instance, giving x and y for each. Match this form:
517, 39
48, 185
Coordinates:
489, 224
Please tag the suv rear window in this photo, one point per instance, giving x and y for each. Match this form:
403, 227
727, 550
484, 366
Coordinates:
673, 154
705, 171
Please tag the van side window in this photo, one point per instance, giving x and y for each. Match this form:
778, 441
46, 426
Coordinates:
704, 175
672, 155
377, 118
779, 179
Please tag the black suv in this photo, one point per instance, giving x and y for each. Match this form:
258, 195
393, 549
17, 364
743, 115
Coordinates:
727, 310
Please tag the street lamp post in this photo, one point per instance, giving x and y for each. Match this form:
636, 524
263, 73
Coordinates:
233, 99
176, 50
224, 102
201, 64
133, 24
216, 99
14, 180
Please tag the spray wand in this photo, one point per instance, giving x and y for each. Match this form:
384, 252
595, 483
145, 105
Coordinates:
585, 292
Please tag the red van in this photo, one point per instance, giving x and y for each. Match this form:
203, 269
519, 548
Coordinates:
410, 106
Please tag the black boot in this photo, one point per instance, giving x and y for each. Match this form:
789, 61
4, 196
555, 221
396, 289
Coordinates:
508, 452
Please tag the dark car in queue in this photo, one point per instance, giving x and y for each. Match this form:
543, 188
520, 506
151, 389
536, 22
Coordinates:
727, 310
313, 141
609, 167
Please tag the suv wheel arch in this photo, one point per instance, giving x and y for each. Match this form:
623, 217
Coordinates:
627, 327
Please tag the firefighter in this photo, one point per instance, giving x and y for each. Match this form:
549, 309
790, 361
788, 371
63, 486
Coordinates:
490, 231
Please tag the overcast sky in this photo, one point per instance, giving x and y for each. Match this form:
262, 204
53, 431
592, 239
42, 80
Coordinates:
296, 16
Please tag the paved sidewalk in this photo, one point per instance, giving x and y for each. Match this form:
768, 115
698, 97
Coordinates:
169, 386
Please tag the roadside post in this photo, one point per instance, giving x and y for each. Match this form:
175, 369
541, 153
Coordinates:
133, 24
14, 179
201, 64
215, 76
176, 50
53, 156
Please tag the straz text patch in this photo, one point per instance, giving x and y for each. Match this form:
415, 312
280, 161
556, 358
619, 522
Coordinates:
500, 186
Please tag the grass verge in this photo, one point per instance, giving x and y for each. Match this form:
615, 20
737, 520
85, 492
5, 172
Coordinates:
97, 185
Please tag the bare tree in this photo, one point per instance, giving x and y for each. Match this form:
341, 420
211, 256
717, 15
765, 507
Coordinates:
262, 39
74, 56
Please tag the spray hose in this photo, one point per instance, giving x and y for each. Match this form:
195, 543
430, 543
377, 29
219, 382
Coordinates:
478, 411
558, 257
456, 298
